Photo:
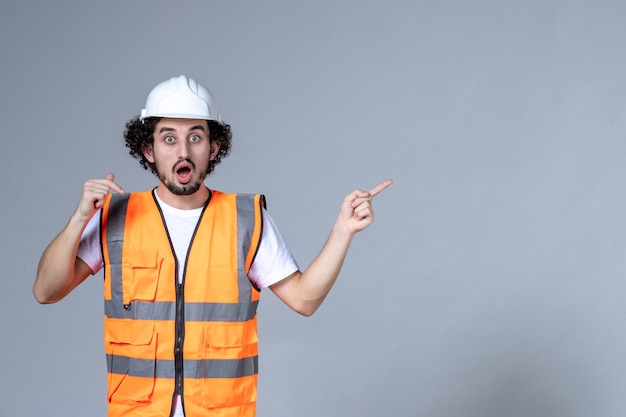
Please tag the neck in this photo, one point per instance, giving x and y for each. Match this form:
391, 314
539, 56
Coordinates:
183, 202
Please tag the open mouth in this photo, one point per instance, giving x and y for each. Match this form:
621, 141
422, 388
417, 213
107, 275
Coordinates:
183, 170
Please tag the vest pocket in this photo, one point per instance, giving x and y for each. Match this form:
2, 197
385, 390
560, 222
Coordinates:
230, 365
142, 267
131, 360
229, 340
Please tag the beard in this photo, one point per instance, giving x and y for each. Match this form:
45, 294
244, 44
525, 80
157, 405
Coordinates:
181, 189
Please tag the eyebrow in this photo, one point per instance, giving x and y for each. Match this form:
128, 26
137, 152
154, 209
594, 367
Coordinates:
191, 129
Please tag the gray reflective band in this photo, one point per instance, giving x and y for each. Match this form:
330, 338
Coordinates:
220, 311
245, 228
207, 368
115, 239
159, 310
140, 310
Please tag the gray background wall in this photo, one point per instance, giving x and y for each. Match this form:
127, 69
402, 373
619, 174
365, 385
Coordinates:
492, 281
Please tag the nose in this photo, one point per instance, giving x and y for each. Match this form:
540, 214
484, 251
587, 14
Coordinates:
183, 149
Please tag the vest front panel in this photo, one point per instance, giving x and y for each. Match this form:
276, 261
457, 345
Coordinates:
198, 339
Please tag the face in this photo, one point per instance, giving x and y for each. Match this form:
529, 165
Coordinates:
181, 153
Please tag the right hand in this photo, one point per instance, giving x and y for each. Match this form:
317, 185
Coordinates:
95, 192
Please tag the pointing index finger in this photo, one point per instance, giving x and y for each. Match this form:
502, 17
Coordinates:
380, 187
117, 188
112, 184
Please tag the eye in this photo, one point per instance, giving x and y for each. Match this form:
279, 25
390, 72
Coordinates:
169, 139
194, 138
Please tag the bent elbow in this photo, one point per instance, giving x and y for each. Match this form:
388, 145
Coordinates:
42, 297
306, 310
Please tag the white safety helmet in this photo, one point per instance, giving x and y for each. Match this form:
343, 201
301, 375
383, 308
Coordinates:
181, 98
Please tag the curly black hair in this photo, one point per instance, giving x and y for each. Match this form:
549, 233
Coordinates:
139, 134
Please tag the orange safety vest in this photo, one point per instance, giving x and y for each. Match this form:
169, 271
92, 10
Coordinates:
197, 339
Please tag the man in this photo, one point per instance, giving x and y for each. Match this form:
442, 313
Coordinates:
184, 265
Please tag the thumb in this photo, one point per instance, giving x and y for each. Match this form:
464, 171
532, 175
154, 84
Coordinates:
110, 176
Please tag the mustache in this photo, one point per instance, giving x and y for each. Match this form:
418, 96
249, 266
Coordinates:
181, 161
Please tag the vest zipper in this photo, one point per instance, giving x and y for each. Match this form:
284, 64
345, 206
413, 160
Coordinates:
180, 336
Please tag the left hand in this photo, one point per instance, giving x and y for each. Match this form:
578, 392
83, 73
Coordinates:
356, 211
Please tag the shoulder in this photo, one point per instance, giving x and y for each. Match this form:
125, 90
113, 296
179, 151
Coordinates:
240, 198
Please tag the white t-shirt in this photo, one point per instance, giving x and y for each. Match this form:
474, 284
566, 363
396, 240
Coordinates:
273, 261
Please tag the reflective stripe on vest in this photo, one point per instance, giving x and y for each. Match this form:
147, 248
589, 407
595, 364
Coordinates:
193, 369
141, 312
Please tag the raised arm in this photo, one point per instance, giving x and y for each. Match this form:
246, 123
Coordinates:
305, 291
60, 270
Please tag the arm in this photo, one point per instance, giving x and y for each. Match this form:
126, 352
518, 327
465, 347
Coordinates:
305, 291
60, 270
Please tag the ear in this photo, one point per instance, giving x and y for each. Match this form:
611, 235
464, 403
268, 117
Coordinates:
215, 148
147, 152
